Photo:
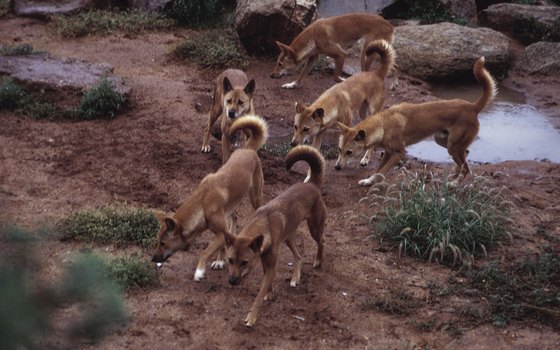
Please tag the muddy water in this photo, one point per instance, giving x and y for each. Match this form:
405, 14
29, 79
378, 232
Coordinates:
509, 130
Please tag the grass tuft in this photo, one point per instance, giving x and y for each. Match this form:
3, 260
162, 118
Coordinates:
438, 220
12, 96
102, 100
107, 22
216, 48
16, 50
110, 225
197, 13
132, 272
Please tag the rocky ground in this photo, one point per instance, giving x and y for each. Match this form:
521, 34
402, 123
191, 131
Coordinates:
150, 157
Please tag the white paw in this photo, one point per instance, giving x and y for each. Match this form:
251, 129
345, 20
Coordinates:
199, 275
364, 162
307, 178
365, 182
205, 149
291, 85
218, 264
293, 284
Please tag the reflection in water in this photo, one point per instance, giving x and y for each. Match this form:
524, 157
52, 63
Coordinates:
508, 131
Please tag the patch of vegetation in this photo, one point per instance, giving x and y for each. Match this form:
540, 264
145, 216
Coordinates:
440, 220
27, 317
4, 7
111, 225
427, 12
396, 302
526, 2
216, 48
16, 50
132, 271
196, 13
102, 100
106, 22
527, 290
281, 150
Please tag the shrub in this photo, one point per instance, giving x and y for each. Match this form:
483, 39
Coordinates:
4, 7
17, 50
27, 317
12, 96
217, 48
102, 100
196, 12
132, 271
427, 12
528, 30
105, 22
438, 220
111, 225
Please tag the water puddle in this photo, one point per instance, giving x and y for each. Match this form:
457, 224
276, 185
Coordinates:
509, 130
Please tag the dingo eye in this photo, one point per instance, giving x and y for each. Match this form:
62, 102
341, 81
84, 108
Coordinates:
348, 152
230, 261
305, 129
162, 244
281, 64
240, 103
244, 263
295, 127
339, 150
228, 100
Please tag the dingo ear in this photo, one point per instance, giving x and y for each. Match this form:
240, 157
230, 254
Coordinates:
250, 87
282, 47
169, 223
160, 215
318, 114
227, 87
342, 127
361, 135
260, 244
300, 107
229, 238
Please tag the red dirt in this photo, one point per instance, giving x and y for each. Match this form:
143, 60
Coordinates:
150, 157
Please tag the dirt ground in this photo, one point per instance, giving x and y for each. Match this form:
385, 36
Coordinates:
150, 157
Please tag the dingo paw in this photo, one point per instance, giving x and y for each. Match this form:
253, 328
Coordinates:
291, 85
250, 320
206, 149
365, 182
218, 264
199, 275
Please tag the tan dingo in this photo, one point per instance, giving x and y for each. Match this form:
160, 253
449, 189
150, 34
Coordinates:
454, 124
275, 223
215, 198
233, 98
331, 36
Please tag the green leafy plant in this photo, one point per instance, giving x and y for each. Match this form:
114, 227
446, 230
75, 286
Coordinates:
111, 225
427, 12
196, 13
4, 7
106, 22
12, 96
132, 271
217, 48
440, 220
102, 100
16, 50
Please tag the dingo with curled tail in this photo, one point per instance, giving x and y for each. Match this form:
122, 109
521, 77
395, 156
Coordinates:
331, 37
364, 92
233, 98
211, 204
276, 223
454, 124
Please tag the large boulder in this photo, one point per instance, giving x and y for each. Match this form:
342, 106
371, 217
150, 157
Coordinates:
540, 58
64, 78
150, 5
459, 9
506, 17
445, 51
45, 8
260, 23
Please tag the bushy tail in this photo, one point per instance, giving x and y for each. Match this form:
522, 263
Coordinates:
387, 54
313, 157
258, 128
488, 85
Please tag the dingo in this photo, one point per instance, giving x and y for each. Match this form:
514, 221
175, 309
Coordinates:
215, 198
331, 36
454, 124
364, 91
233, 98
275, 223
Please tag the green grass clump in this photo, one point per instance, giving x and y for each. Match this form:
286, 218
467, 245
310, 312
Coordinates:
102, 100
439, 220
12, 96
120, 226
132, 271
196, 13
4, 7
216, 48
107, 22
16, 50
427, 12
281, 149
529, 289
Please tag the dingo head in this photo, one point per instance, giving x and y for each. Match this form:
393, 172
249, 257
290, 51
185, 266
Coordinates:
241, 250
350, 144
169, 239
286, 62
307, 123
237, 101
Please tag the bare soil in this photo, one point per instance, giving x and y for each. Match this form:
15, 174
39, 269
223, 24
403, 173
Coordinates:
150, 157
